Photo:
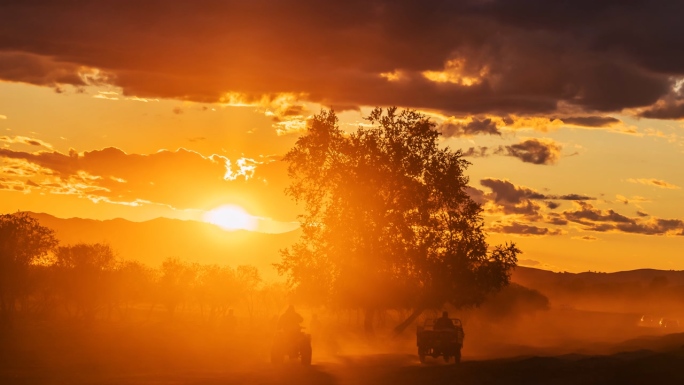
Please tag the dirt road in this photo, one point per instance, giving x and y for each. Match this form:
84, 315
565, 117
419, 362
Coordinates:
640, 367
636, 367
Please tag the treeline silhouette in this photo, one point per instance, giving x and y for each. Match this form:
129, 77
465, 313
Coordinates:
88, 281
42, 280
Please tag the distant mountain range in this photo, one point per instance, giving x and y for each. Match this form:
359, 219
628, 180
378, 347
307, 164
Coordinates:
532, 277
153, 241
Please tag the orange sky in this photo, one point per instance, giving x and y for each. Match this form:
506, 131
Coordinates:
173, 109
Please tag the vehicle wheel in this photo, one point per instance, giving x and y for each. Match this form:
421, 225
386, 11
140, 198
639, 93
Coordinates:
447, 358
421, 355
306, 354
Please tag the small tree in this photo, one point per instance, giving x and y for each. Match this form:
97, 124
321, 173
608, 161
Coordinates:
248, 280
86, 272
218, 288
23, 241
134, 283
176, 282
388, 222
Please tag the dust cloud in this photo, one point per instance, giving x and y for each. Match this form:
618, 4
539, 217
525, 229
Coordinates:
177, 323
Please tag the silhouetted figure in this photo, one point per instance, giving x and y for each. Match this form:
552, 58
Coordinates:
444, 322
290, 321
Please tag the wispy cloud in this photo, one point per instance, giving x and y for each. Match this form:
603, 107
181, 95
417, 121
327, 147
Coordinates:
24, 140
182, 179
654, 182
523, 229
587, 238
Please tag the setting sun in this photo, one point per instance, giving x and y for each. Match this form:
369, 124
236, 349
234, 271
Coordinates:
231, 217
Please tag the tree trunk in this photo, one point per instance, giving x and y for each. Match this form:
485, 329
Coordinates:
369, 316
402, 326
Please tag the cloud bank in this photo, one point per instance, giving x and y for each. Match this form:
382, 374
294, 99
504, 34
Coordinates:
457, 57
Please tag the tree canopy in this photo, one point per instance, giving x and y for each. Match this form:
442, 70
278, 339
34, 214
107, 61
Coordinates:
23, 241
387, 220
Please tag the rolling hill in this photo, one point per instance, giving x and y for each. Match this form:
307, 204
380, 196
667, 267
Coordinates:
153, 241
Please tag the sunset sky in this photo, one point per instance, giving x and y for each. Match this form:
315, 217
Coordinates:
570, 112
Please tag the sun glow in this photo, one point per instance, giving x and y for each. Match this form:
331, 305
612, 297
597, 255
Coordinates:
231, 217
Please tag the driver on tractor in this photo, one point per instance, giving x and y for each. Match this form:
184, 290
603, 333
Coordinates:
444, 322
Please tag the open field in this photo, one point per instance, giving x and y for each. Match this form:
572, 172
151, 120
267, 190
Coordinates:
194, 351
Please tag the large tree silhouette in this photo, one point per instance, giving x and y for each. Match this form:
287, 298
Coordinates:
387, 221
23, 241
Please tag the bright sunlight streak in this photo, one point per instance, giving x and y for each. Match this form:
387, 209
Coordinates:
231, 217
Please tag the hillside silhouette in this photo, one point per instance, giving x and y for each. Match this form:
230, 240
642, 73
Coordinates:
540, 277
152, 241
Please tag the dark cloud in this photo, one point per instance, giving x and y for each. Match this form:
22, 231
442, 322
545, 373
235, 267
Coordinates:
574, 197
654, 227
476, 152
345, 107
556, 219
591, 121
520, 57
601, 227
535, 151
37, 69
642, 214
504, 190
587, 212
511, 199
664, 111
523, 229
608, 220
476, 195
474, 127
294, 110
